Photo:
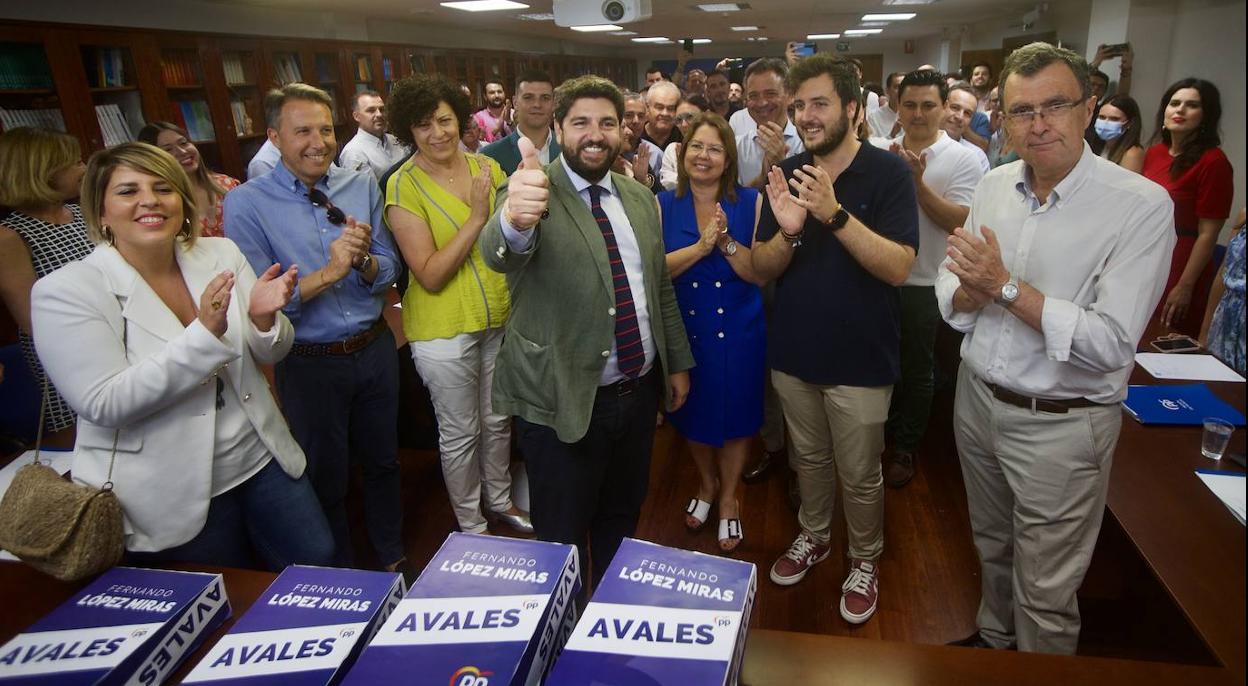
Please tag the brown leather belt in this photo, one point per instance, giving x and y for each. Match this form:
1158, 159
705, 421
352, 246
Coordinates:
353, 344
1029, 403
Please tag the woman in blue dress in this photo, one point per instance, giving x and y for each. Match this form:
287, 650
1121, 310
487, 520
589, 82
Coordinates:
1223, 330
708, 227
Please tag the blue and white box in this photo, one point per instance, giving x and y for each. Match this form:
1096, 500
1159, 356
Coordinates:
130, 626
661, 616
487, 610
304, 630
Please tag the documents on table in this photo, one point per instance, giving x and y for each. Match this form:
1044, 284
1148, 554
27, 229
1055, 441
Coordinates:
1188, 367
1228, 486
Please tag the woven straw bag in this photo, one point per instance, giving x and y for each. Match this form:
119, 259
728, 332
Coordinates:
63, 529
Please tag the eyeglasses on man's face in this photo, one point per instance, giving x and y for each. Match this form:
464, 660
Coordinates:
1054, 111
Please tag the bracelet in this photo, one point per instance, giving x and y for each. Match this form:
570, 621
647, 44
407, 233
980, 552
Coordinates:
795, 239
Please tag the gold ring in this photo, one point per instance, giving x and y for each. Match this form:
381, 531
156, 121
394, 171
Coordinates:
216, 305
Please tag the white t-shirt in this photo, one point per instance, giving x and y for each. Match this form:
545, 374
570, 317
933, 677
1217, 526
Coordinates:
952, 172
750, 153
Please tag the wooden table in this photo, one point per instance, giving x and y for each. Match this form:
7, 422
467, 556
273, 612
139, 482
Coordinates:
1189, 539
771, 657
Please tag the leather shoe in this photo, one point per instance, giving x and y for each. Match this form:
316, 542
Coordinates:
519, 522
759, 471
976, 640
900, 470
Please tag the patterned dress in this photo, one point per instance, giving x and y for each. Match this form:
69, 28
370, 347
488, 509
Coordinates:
1226, 331
212, 225
52, 246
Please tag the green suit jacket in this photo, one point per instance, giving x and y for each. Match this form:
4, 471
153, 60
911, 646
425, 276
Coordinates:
506, 151
561, 329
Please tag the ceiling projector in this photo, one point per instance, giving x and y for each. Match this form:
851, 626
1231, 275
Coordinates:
591, 12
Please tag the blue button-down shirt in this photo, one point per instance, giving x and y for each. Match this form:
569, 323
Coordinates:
272, 220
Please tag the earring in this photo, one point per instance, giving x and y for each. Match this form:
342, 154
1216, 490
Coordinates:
107, 232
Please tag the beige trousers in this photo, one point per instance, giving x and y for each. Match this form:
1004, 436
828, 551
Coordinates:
1035, 485
837, 432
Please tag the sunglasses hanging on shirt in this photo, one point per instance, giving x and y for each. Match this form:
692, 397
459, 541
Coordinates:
335, 215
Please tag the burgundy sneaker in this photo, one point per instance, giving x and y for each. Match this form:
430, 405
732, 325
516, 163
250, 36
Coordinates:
801, 556
860, 592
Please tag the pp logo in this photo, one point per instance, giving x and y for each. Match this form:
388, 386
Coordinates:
530, 604
723, 621
1169, 404
470, 676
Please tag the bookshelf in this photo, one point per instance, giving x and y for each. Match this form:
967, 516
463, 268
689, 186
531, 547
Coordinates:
27, 92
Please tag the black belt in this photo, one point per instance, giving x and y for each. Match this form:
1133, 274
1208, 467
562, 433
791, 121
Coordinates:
625, 387
1029, 403
353, 344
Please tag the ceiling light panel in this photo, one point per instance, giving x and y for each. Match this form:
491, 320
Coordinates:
745, 28
822, 36
485, 5
862, 32
724, 7
900, 16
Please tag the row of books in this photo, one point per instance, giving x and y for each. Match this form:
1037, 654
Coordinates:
24, 67
286, 68
235, 74
325, 68
485, 611
106, 67
363, 68
180, 69
387, 69
42, 119
113, 125
242, 119
193, 116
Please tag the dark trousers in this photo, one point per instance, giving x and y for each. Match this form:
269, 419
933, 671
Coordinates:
912, 396
342, 408
590, 492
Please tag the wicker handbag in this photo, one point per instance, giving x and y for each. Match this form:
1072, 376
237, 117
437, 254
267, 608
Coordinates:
63, 529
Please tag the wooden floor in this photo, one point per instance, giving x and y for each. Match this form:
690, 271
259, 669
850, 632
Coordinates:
929, 575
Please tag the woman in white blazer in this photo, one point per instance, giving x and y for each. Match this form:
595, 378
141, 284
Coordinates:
153, 339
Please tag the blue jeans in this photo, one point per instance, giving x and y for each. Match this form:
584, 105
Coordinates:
342, 408
276, 516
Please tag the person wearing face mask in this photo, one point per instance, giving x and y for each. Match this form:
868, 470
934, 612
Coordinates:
686, 111
454, 310
40, 171
1186, 160
208, 186
1118, 123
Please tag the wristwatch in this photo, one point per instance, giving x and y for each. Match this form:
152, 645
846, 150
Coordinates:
837, 222
730, 248
1009, 293
364, 262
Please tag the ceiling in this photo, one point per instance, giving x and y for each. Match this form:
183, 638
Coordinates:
779, 20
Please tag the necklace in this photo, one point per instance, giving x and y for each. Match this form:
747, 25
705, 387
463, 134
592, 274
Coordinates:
429, 169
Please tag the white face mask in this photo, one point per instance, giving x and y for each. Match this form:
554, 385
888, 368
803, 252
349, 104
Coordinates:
1109, 130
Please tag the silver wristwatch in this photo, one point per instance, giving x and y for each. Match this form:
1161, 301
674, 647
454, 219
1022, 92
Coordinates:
1009, 293
730, 248
364, 262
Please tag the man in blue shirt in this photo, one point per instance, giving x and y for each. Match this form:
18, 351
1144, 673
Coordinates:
838, 233
339, 385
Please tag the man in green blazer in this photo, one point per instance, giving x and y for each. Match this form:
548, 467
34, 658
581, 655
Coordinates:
595, 338
535, 101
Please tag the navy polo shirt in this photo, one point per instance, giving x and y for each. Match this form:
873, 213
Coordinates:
833, 323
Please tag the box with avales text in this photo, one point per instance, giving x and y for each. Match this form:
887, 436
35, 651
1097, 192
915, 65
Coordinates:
664, 617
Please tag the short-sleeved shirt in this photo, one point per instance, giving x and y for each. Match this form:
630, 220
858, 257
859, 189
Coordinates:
832, 322
1203, 191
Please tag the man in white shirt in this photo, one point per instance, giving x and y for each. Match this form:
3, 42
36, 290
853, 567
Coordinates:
959, 109
1053, 280
774, 137
945, 177
883, 120
371, 149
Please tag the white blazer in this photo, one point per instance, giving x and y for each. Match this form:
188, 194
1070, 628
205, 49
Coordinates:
157, 387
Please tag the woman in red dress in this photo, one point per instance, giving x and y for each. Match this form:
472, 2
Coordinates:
1186, 160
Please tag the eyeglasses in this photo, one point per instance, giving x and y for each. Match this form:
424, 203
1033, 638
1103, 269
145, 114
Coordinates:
335, 216
686, 117
712, 150
1051, 112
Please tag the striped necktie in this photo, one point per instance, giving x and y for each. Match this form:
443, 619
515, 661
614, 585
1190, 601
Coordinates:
630, 357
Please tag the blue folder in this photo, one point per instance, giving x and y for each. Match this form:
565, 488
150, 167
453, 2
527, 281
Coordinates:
1184, 404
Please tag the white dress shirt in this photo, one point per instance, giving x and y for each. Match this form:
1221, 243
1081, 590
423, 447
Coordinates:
1099, 250
366, 152
630, 255
741, 122
978, 152
667, 171
952, 173
750, 152
882, 120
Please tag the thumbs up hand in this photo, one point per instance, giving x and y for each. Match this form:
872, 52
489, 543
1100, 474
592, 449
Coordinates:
528, 190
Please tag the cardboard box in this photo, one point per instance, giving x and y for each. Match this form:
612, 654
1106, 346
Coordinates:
131, 626
487, 610
305, 629
661, 616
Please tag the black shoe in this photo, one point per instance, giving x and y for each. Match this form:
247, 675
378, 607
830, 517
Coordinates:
759, 471
900, 470
975, 640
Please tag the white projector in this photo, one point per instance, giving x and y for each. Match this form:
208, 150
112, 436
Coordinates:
591, 12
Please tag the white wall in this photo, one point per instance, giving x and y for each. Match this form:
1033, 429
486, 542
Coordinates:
1070, 19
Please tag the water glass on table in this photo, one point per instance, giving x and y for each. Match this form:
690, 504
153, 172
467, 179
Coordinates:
1215, 437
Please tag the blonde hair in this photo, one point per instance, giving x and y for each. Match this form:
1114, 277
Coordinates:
140, 157
29, 159
278, 97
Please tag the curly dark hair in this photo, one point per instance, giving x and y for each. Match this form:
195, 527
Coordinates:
414, 100
588, 86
